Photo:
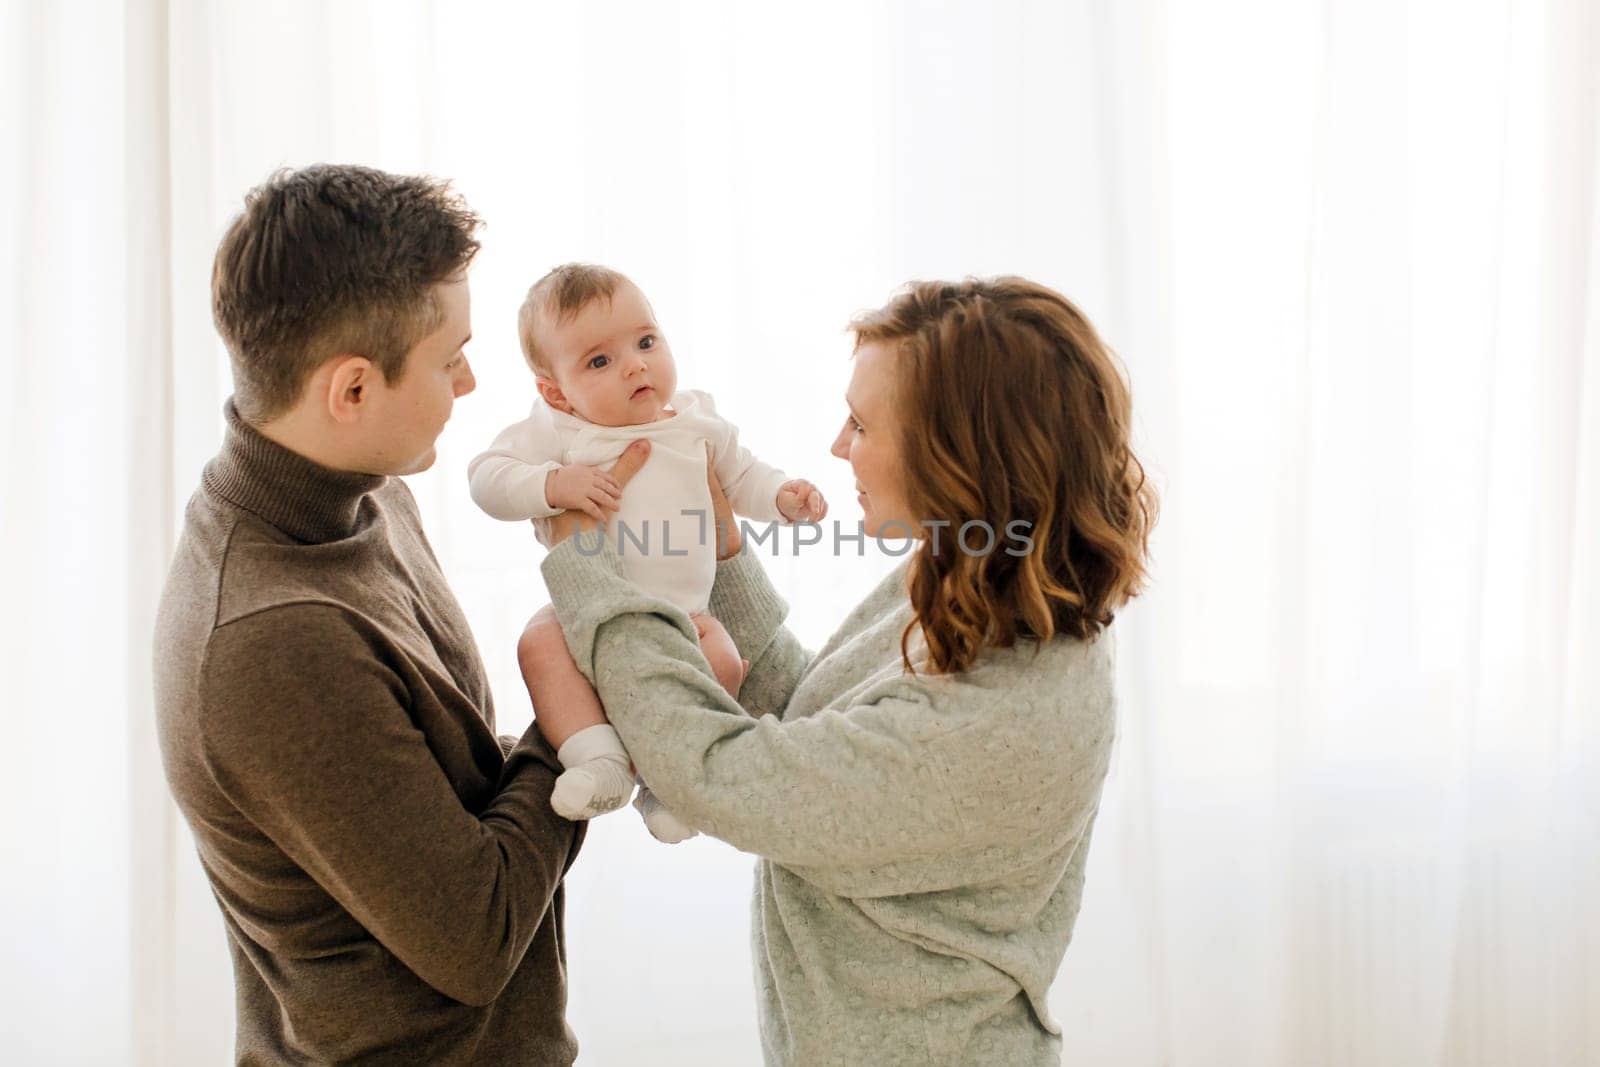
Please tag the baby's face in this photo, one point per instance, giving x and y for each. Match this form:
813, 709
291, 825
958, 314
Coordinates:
609, 363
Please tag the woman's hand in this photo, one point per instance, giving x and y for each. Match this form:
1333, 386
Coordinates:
567, 523
726, 526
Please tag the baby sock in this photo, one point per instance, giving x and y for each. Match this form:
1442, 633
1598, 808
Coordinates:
597, 778
662, 824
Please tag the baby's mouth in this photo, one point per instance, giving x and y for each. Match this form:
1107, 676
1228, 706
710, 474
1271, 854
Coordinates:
639, 393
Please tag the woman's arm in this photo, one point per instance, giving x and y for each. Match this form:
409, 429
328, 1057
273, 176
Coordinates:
745, 602
868, 783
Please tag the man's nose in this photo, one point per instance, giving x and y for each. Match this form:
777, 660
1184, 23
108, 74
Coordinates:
466, 382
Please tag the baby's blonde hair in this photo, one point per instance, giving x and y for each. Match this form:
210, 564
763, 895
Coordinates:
561, 294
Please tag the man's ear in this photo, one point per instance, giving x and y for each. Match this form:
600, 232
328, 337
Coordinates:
552, 393
349, 386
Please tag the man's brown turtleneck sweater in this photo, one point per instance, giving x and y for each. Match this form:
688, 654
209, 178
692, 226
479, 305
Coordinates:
390, 878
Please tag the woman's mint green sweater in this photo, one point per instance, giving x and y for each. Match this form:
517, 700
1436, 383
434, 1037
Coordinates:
922, 838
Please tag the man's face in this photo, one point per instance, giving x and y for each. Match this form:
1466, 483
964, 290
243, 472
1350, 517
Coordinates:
409, 414
610, 363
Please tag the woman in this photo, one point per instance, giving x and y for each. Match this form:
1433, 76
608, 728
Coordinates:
921, 791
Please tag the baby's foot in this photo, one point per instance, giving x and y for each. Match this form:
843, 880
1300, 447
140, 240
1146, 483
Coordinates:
597, 778
592, 788
662, 824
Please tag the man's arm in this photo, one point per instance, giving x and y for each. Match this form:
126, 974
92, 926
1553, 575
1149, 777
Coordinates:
312, 742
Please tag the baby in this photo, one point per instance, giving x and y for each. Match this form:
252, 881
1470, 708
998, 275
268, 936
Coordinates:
606, 378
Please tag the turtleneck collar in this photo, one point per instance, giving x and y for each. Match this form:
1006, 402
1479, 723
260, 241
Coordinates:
305, 500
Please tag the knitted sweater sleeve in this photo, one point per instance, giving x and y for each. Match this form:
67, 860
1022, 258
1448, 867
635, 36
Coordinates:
908, 770
743, 599
313, 744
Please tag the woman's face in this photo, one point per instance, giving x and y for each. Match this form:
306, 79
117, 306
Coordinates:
870, 440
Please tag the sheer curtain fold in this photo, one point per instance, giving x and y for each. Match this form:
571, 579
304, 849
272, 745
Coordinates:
87, 496
1348, 252
152, 841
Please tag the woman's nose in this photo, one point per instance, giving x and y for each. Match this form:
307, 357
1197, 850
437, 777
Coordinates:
841, 443
466, 382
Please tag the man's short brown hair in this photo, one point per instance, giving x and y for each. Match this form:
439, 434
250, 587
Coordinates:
560, 295
332, 259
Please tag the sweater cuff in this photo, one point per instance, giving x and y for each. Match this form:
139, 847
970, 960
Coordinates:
575, 566
744, 601
588, 588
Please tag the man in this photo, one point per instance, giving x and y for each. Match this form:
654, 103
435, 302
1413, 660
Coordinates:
389, 872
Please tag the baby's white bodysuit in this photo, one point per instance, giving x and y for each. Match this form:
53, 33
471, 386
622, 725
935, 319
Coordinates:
663, 531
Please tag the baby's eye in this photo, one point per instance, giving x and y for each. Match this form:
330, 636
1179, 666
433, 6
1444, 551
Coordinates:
647, 341
599, 361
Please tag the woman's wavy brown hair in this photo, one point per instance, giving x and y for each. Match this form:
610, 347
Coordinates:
1012, 409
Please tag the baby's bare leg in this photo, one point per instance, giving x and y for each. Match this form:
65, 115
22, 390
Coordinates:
720, 652
563, 700
598, 776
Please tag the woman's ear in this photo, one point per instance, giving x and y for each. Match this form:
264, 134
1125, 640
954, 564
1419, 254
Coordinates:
552, 394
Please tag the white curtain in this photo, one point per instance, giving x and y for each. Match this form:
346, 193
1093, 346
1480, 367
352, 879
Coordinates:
1348, 250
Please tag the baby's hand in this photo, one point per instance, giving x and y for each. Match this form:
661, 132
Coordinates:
800, 501
580, 487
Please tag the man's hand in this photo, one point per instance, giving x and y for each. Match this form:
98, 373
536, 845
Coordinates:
563, 526
580, 487
800, 501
